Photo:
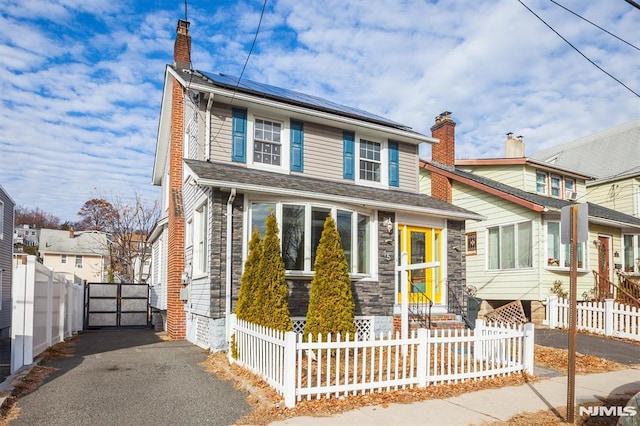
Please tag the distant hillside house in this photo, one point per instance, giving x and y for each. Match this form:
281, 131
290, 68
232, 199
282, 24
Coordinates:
82, 254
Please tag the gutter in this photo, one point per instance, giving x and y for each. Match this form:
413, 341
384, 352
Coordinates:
227, 294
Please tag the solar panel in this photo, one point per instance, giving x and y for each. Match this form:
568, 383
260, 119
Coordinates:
314, 102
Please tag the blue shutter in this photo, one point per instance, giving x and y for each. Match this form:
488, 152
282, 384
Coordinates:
394, 164
348, 155
239, 135
297, 146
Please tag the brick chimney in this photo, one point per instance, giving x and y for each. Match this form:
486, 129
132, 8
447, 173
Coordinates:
513, 147
444, 153
71, 232
182, 46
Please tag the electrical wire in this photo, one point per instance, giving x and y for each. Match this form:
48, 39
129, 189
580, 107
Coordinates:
595, 25
633, 3
578, 50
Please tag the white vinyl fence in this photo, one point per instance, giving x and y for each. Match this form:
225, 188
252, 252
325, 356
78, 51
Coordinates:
608, 318
47, 308
337, 366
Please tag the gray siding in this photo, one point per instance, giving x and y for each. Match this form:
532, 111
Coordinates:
6, 253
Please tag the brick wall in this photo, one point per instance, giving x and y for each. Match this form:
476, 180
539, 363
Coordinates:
176, 320
443, 153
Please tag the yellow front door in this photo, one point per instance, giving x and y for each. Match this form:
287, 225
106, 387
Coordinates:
421, 245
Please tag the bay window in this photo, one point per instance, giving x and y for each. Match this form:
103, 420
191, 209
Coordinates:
510, 246
301, 227
559, 255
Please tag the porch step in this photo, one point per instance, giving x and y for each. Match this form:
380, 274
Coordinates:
447, 321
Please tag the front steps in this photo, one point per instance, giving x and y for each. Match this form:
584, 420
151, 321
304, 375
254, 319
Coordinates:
440, 321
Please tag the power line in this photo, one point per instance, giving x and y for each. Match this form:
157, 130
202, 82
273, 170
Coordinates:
577, 50
633, 3
595, 25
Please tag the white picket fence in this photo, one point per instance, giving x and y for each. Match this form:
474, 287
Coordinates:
608, 318
337, 366
47, 308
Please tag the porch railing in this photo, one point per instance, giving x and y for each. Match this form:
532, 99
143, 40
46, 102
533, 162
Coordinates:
420, 308
626, 291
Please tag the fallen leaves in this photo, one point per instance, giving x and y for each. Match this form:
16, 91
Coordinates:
558, 359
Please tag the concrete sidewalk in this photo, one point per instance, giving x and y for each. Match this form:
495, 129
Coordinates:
487, 405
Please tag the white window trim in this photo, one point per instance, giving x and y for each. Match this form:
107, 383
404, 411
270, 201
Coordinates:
545, 259
515, 225
198, 271
285, 142
384, 161
307, 273
1, 220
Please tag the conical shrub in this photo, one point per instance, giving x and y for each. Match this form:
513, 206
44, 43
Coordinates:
250, 294
331, 305
271, 274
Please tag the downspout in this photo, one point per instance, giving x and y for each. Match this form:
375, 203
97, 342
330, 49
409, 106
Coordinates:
227, 293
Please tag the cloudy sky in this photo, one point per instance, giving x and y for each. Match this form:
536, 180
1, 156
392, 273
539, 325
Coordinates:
81, 81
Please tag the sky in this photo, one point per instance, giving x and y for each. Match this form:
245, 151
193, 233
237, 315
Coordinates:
81, 81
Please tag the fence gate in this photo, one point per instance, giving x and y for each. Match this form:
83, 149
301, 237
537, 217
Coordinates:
111, 305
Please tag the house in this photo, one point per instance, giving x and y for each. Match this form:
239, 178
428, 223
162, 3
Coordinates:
231, 151
612, 157
81, 254
25, 239
516, 253
7, 206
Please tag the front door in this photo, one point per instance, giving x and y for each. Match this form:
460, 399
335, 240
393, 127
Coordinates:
422, 245
604, 266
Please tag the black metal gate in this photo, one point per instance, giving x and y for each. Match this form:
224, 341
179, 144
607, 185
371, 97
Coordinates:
111, 305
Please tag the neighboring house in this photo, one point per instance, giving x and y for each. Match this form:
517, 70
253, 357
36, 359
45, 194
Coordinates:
158, 274
516, 253
230, 152
612, 157
7, 206
82, 254
25, 236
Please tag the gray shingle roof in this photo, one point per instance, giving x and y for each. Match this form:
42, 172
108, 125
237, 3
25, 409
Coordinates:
89, 243
226, 175
613, 152
595, 210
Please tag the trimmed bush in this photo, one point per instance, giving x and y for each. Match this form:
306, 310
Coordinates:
274, 301
331, 305
250, 294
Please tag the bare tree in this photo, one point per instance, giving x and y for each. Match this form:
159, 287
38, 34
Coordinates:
128, 224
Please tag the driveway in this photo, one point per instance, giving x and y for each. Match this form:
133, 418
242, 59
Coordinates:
131, 377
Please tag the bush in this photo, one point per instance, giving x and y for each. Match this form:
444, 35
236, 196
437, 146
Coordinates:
331, 305
248, 307
274, 302
558, 290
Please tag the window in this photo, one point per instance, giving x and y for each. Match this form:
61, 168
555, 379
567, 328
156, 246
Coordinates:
569, 189
472, 243
201, 240
559, 255
370, 161
301, 227
63, 258
631, 253
266, 142
510, 246
541, 183
78, 261
556, 182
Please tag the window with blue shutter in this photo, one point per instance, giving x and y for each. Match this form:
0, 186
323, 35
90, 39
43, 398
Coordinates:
239, 135
348, 157
297, 146
394, 164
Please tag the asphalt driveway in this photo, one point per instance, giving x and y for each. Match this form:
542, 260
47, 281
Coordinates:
131, 377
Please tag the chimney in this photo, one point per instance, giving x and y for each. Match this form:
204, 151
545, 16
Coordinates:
71, 233
182, 46
444, 153
514, 147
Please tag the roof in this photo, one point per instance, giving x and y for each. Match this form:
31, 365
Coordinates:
88, 243
604, 155
523, 161
244, 93
531, 200
259, 181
